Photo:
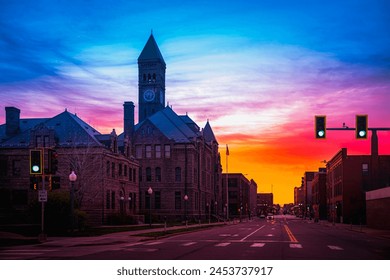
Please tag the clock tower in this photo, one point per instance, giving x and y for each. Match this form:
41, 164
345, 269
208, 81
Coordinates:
151, 80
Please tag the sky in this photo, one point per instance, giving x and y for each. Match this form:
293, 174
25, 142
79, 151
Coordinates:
259, 71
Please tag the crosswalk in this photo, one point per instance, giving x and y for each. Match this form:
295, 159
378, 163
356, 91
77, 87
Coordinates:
255, 244
22, 254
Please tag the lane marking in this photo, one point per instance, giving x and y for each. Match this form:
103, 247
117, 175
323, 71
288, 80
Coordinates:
290, 234
222, 244
333, 247
153, 243
296, 246
188, 244
258, 245
252, 233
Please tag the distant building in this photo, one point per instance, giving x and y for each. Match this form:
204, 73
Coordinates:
242, 195
106, 185
319, 194
265, 202
307, 182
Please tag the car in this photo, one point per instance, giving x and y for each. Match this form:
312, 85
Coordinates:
270, 216
262, 216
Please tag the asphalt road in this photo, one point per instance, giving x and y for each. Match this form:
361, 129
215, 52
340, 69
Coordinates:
284, 238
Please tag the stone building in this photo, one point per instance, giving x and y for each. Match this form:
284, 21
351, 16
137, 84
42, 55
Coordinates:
106, 184
180, 169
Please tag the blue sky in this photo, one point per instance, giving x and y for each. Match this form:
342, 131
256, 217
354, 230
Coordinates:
258, 70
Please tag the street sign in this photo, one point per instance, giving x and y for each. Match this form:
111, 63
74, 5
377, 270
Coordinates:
42, 196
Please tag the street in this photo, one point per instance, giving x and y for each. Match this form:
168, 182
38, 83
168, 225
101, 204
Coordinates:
284, 238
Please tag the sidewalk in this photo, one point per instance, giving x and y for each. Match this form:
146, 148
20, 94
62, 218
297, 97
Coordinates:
380, 233
133, 236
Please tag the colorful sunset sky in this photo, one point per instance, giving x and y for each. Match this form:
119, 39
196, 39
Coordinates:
259, 71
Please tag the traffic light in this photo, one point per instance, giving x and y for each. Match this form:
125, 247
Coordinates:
34, 183
320, 127
54, 182
361, 126
36, 162
52, 161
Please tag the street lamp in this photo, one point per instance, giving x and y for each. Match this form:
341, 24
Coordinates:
72, 179
150, 192
185, 208
216, 209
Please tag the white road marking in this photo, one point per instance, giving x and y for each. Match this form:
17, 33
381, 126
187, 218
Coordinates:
258, 245
222, 244
335, 247
153, 243
296, 246
188, 244
252, 233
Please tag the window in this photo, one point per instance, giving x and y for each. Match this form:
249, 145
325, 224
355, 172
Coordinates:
3, 167
108, 193
157, 200
365, 168
138, 151
148, 149
158, 174
125, 170
108, 168
120, 169
177, 174
113, 200
177, 200
130, 174
167, 151
148, 174
135, 174
147, 200
46, 141
113, 170
158, 151
16, 168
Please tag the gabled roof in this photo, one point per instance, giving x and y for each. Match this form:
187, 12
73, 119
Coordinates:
171, 125
208, 133
69, 130
151, 51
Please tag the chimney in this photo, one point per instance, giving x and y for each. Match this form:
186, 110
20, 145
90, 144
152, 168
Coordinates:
128, 120
12, 118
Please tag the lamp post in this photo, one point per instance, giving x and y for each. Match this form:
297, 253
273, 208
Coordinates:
130, 206
216, 209
185, 208
150, 192
72, 179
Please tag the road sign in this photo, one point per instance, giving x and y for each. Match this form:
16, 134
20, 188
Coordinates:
42, 196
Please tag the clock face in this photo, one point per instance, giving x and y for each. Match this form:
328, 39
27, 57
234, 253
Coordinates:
148, 95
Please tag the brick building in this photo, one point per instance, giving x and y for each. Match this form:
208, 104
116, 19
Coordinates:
319, 194
179, 162
349, 178
242, 195
106, 184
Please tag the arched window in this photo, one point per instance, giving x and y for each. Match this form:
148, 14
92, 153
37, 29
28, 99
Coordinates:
158, 174
154, 77
149, 77
148, 174
144, 77
177, 174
